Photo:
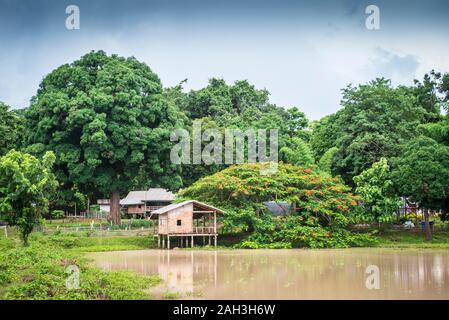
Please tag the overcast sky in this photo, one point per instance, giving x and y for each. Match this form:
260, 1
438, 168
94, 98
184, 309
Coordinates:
303, 52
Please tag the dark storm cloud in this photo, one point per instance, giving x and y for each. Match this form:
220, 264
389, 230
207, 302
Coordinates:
296, 49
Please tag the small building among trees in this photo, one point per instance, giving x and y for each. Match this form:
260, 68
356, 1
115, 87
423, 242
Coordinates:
143, 203
182, 224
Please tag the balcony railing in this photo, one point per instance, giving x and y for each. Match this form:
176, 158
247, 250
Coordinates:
152, 208
204, 230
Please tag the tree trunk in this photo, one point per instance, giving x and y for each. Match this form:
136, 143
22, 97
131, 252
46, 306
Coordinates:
427, 225
115, 207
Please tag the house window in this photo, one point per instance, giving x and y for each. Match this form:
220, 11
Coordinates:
140, 207
178, 222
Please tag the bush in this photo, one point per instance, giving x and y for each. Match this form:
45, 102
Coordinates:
324, 206
39, 272
297, 232
248, 244
57, 214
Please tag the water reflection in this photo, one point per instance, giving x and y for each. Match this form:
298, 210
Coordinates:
290, 274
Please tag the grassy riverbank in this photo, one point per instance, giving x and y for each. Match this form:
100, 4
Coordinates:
40, 271
83, 242
412, 239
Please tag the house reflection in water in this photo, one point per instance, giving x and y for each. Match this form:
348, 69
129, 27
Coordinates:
187, 272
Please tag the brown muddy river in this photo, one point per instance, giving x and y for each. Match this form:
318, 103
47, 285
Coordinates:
290, 274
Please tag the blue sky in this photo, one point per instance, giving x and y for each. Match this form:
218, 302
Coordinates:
303, 52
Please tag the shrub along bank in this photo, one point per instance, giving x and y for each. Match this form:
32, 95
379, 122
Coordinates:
40, 271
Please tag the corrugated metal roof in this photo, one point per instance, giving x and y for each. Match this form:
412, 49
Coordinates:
278, 208
173, 206
152, 194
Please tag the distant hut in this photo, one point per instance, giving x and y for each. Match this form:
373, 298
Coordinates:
185, 223
104, 205
143, 203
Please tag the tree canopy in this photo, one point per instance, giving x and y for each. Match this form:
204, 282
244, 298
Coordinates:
236, 106
25, 183
422, 172
376, 189
11, 129
107, 121
375, 120
244, 186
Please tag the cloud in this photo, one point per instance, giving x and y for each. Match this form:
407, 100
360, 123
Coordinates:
353, 7
397, 67
303, 52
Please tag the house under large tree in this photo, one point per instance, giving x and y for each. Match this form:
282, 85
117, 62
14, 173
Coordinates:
143, 203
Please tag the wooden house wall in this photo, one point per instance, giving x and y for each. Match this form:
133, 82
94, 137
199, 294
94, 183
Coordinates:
134, 209
168, 222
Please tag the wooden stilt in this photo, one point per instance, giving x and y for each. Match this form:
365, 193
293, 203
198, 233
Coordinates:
209, 241
168, 242
182, 240
191, 241
163, 242
158, 241
215, 241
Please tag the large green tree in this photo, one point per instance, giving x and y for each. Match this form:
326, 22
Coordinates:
422, 173
108, 122
376, 189
375, 120
11, 129
235, 106
25, 183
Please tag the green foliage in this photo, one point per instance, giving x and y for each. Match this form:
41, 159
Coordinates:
375, 187
38, 272
57, 214
438, 131
375, 119
297, 153
171, 295
238, 219
296, 122
25, 182
399, 238
246, 187
422, 172
323, 206
94, 208
249, 244
192, 172
11, 129
79, 242
296, 232
108, 123
325, 133
237, 106
325, 163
